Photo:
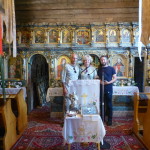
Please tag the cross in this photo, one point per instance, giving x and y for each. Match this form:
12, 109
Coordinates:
84, 98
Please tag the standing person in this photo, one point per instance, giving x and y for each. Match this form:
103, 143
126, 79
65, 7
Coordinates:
70, 72
87, 71
107, 76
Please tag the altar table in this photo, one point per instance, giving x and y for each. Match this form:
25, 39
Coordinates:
88, 128
52, 92
147, 89
125, 90
117, 90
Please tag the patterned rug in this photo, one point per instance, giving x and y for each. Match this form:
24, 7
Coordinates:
44, 133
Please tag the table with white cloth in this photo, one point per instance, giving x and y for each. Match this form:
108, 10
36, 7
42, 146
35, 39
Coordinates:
52, 92
55, 97
147, 89
123, 98
87, 128
14, 91
125, 90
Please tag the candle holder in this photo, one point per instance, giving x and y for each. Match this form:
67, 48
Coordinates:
122, 83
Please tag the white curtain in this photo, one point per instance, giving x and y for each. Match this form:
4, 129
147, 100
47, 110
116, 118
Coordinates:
10, 22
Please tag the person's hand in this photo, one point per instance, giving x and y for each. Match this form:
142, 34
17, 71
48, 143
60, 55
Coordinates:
106, 82
102, 82
65, 91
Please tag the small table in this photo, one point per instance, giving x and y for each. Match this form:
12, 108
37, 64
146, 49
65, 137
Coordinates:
88, 128
123, 98
51, 94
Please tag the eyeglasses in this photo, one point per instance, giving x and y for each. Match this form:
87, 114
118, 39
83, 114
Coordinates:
74, 70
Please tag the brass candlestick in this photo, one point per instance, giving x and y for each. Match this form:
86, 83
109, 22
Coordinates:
9, 84
122, 82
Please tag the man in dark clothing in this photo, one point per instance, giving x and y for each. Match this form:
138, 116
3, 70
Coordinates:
107, 76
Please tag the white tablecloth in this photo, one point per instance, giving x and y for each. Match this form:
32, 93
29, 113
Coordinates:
51, 92
14, 91
125, 90
147, 89
88, 128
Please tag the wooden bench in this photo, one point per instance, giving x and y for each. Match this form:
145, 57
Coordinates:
8, 126
141, 122
146, 126
13, 119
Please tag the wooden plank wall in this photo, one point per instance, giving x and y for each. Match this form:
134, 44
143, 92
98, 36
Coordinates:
76, 11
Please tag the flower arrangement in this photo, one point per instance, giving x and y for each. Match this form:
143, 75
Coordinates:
125, 82
148, 82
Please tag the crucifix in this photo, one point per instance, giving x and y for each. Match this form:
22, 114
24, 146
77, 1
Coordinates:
84, 98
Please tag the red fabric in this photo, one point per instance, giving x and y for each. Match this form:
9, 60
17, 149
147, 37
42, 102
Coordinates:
1, 49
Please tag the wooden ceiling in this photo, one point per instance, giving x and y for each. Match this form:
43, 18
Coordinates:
76, 11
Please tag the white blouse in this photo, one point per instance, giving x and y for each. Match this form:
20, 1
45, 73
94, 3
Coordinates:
88, 73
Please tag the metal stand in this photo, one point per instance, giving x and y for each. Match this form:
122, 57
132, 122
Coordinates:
102, 107
105, 144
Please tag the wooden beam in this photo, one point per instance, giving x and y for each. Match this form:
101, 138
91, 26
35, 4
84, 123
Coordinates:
79, 21
76, 16
60, 6
79, 11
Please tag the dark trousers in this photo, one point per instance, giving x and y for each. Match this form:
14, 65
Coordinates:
108, 110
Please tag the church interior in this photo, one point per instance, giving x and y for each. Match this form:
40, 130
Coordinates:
37, 37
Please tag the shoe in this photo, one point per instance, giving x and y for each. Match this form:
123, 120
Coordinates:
105, 145
109, 123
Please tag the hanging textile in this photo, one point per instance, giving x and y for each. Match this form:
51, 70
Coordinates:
9, 19
145, 36
140, 29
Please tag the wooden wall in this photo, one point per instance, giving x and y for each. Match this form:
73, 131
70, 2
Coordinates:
76, 11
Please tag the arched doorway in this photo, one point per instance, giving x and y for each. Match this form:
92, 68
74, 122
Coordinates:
39, 81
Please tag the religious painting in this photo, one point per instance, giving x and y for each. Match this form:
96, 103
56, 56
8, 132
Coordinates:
53, 36
25, 37
66, 36
99, 36
83, 37
126, 36
15, 67
136, 35
120, 65
39, 36
62, 60
112, 35
96, 61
